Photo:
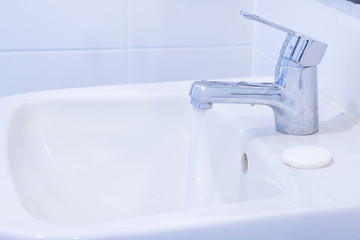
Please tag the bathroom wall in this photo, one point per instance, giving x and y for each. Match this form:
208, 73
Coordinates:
336, 22
63, 43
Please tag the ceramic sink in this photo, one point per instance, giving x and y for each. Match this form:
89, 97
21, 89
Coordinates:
138, 162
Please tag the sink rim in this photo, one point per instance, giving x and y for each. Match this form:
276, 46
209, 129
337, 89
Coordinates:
30, 227
11, 104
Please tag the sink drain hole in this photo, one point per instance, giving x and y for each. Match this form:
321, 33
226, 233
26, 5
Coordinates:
244, 163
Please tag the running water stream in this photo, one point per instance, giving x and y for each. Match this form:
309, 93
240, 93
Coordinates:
196, 129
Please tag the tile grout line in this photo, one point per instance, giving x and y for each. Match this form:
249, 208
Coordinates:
264, 53
126, 42
254, 6
339, 108
124, 49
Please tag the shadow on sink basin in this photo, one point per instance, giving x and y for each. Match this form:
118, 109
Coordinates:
80, 160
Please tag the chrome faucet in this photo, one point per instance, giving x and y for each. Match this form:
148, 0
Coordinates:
293, 95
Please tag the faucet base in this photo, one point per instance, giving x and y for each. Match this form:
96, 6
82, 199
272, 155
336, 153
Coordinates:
298, 131
303, 123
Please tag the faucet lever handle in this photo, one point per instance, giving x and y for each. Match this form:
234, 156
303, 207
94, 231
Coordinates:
297, 47
266, 22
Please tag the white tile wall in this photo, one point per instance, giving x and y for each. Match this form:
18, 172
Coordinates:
336, 22
164, 23
163, 65
35, 71
62, 24
60, 43
262, 63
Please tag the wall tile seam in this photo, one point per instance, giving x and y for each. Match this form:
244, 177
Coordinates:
75, 50
329, 101
264, 53
253, 32
189, 48
123, 49
125, 11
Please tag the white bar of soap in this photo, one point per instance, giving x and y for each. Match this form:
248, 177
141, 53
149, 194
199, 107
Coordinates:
307, 156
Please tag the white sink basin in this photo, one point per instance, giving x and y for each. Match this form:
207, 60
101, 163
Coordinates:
113, 162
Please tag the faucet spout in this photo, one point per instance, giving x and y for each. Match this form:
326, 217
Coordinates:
205, 93
292, 97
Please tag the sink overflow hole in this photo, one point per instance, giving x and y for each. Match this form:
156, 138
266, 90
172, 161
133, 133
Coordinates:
244, 163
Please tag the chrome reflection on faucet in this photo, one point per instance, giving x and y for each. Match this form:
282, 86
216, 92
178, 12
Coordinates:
293, 95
